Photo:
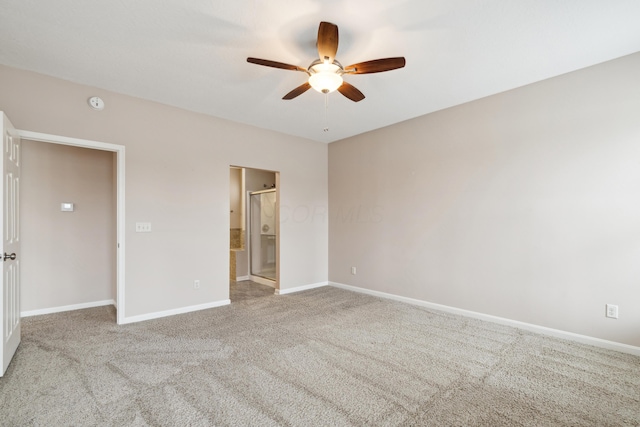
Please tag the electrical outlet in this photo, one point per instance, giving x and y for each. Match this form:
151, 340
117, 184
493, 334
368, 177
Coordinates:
196, 284
353, 270
612, 311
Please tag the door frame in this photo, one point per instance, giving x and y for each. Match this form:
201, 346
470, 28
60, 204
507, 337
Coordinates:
120, 197
245, 198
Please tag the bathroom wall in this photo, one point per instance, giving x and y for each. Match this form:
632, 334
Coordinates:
235, 198
256, 179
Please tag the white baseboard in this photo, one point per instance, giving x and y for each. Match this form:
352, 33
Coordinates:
583, 339
159, 314
67, 308
301, 288
242, 278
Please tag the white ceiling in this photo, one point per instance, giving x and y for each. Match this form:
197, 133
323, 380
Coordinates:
192, 54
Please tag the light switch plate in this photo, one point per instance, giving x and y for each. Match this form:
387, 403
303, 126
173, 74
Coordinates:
66, 207
143, 227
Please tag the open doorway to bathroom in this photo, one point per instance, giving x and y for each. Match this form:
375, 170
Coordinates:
253, 236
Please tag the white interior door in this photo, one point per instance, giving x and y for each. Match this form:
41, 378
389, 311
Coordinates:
9, 194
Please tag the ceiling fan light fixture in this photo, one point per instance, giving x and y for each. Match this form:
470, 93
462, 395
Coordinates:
325, 82
325, 73
325, 78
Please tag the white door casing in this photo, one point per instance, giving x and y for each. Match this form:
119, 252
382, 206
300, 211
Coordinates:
10, 196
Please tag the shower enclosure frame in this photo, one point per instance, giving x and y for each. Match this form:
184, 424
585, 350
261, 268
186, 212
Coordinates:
250, 227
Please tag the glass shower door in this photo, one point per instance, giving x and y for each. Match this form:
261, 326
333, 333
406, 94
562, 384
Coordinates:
263, 234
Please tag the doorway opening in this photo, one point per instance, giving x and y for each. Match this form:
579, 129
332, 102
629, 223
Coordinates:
119, 152
254, 237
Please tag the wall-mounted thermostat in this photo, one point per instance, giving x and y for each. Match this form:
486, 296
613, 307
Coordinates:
66, 207
96, 103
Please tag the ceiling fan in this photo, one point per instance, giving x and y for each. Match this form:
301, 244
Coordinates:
325, 74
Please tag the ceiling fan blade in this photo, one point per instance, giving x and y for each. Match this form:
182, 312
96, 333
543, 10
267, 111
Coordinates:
376, 66
298, 91
275, 64
327, 41
351, 92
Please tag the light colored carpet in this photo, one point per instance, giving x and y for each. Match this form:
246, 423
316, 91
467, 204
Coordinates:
322, 357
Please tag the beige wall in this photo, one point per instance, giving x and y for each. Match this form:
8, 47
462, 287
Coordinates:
523, 205
177, 178
67, 257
